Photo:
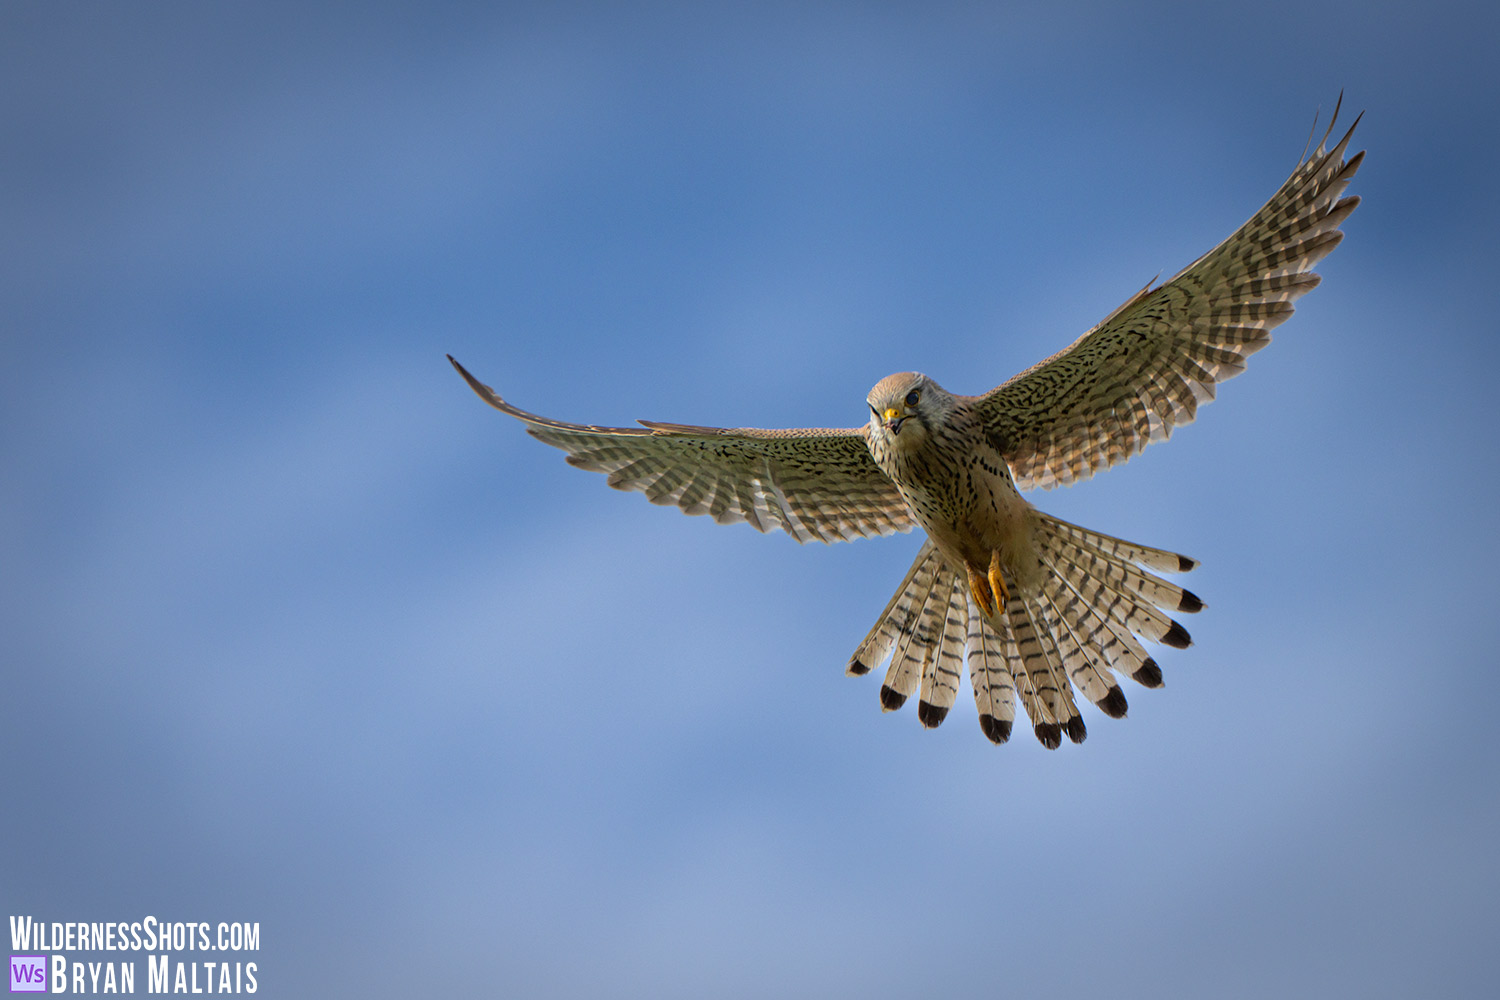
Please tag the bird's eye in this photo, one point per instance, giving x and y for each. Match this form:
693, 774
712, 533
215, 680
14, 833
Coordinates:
911, 398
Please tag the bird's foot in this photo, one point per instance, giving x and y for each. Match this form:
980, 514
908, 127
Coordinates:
997, 582
988, 588
980, 588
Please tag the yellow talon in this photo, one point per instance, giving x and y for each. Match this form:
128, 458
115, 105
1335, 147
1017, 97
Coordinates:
997, 582
989, 590
980, 588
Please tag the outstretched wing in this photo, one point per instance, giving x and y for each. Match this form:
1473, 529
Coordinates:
1144, 370
812, 483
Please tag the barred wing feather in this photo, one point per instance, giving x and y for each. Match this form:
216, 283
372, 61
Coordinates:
813, 483
1145, 369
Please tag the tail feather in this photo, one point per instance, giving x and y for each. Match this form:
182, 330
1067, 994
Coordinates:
1099, 583
916, 641
899, 614
990, 676
1047, 679
942, 674
1047, 730
1120, 649
1117, 573
1077, 628
1132, 656
1086, 666
1158, 559
1058, 668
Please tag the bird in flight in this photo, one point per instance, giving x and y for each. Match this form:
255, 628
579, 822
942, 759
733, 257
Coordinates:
1037, 607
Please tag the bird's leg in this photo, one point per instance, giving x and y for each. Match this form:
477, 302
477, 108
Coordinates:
997, 582
988, 588
980, 588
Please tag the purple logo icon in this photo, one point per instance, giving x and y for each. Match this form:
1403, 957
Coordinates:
28, 973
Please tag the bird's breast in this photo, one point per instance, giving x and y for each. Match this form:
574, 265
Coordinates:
967, 502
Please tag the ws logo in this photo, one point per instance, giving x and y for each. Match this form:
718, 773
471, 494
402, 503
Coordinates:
28, 973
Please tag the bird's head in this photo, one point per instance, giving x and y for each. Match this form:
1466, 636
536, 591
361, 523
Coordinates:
904, 408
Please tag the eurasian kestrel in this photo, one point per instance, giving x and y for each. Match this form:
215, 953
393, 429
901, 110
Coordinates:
1040, 606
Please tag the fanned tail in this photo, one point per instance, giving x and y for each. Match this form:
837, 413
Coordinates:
922, 630
1042, 681
990, 676
1076, 630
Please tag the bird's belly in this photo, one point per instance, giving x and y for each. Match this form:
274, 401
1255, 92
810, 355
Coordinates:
976, 513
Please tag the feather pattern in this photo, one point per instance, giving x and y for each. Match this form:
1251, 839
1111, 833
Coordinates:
1145, 369
1077, 628
816, 484
943, 673
900, 614
916, 642
990, 675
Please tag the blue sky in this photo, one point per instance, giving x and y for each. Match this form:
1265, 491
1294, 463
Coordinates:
295, 630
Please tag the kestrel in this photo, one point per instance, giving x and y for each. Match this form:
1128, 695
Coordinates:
1038, 607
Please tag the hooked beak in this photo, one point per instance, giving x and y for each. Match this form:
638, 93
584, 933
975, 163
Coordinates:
893, 420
